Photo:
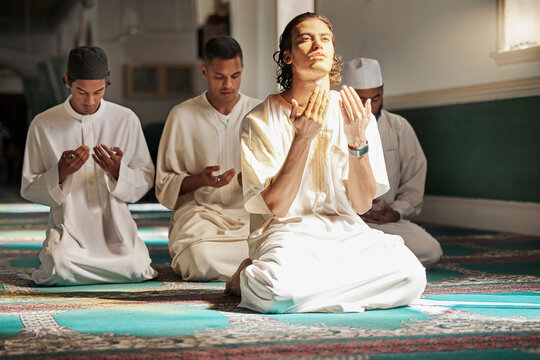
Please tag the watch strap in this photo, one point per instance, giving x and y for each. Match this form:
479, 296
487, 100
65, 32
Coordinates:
360, 151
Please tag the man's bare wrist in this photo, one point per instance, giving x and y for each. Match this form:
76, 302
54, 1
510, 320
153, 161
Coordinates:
61, 177
357, 144
302, 140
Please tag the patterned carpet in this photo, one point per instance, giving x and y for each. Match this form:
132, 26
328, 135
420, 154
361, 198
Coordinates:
482, 302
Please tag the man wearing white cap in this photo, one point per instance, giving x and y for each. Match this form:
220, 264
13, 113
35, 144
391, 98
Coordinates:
405, 163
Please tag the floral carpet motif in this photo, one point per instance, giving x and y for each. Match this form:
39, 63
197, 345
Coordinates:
482, 302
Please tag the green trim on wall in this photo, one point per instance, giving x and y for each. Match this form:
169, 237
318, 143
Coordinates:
488, 150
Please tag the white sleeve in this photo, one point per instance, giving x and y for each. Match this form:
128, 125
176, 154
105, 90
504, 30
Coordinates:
263, 153
170, 166
376, 158
39, 184
410, 193
136, 174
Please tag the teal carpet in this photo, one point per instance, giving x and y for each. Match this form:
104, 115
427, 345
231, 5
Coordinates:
482, 302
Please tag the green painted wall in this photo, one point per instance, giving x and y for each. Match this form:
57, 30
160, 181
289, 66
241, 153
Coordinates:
487, 150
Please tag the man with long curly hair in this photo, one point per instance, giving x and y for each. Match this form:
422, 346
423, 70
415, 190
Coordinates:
311, 160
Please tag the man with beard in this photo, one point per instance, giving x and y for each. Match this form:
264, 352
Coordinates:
405, 164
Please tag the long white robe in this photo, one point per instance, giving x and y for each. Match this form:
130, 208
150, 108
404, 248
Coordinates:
91, 237
320, 256
209, 227
406, 166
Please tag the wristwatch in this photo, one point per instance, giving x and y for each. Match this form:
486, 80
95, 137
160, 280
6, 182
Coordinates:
359, 152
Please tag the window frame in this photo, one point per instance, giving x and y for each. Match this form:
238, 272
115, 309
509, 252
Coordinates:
506, 56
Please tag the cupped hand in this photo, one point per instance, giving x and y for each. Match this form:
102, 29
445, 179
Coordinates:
71, 161
356, 116
207, 177
383, 216
108, 159
309, 123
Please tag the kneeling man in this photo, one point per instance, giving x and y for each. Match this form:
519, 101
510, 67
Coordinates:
311, 160
198, 168
92, 237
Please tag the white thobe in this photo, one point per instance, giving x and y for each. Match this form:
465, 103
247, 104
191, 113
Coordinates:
320, 256
209, 227
91, 237
406, 166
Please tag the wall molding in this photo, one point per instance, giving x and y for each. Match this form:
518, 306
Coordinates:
466, 94
498, 215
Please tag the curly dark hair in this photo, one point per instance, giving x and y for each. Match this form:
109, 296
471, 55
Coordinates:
284, 71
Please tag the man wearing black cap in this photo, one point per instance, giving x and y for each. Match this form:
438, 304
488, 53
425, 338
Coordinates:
91, 237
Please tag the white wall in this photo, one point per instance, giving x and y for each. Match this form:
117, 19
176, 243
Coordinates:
442, 49
257, 24
423, 45
166, 34
288, 10
253, 25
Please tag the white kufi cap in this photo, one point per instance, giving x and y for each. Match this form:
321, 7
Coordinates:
362, 73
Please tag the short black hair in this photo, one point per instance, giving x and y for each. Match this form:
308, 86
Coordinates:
222, 47
70, 80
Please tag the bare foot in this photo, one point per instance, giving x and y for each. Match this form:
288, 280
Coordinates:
232, 287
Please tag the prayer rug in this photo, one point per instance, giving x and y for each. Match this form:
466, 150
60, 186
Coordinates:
482, 302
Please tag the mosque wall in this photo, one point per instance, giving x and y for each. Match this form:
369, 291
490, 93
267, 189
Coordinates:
438, 72
477, 121
147, 32
484, 149
253, 25
423, 45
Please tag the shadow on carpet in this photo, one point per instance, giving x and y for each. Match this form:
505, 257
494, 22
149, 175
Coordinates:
481, 302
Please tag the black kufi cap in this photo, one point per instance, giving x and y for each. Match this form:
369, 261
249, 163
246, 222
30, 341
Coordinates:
87, 63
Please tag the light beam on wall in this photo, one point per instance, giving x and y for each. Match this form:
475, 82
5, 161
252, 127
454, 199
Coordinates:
521, 24
518, 37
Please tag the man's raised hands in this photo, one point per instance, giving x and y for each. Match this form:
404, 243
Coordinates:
356, 116
308, 124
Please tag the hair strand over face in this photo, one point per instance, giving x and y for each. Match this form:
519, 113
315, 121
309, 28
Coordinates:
284, 70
